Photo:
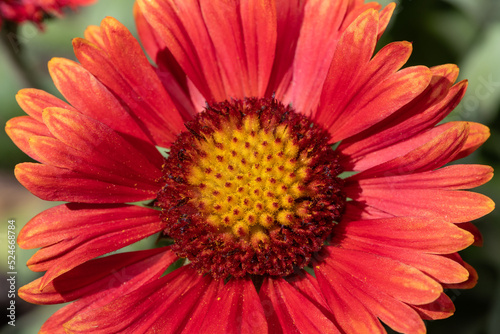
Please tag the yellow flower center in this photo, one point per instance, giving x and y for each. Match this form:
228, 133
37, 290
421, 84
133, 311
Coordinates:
249, 179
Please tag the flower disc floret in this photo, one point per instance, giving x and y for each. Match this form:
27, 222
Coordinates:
251, 188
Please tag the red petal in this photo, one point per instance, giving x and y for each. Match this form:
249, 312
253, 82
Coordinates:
355, 8
478, 134
165, 305
452, 206
353, 52
95, 165
289, 16
156, 48
288, 311
426, 194
363, 302
471, 281
378, 102
244, 38
259, 29
427, 151
120, 284
85, 133
77, 85
350, 313
22, 129
356, 86
424, 234
307, 285
138, 73
102, 275
152, 122
440, 268
442, 308
146, 33
419, 115
173, 78
385, 17
404, 283
93, 34
58, 184
318, 38
237, 309
450, 177
469, 227
359, 211
181, 26
33, 101
90, 147
72, 234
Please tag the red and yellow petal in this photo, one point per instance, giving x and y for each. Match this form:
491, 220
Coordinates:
355, 8
354, 50
385, 17
478, 134
472, 229
93, 34
22, 129
34, 101
470, 282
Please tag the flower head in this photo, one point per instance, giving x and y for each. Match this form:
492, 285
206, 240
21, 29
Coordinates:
19, 11
302, 189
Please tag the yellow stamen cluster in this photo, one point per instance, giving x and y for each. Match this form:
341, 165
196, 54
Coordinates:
248, 179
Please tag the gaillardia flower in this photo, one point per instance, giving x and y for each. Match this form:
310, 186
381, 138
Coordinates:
300, 186
19, 11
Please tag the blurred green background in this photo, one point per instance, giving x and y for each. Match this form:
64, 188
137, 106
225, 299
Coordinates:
464, 32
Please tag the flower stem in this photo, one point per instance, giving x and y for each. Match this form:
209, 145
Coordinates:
14, 57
